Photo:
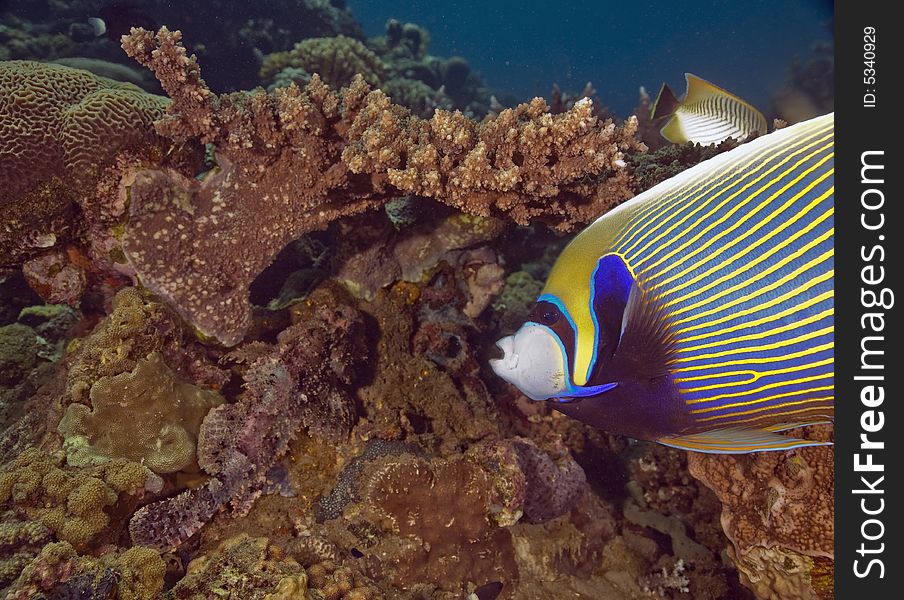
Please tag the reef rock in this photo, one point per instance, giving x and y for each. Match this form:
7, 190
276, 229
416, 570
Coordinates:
778, 512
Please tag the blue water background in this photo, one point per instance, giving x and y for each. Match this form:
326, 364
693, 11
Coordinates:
522, 48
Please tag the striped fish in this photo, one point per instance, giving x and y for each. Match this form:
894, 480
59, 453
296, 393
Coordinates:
706, 115
700, 313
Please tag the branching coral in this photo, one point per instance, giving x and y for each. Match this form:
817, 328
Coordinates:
293, 161
147, 415
296, 384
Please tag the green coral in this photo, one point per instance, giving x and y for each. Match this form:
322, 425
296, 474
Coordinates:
69, 502
146, 415
336, 59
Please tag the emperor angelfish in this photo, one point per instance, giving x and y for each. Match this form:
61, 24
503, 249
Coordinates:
699, 314
706, 115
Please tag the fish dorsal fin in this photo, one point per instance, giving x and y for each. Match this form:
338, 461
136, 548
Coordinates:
737, 440
699, 89
666, 103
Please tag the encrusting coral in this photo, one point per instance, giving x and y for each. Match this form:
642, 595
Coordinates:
293, 161
135, 328
147, 416
778, 512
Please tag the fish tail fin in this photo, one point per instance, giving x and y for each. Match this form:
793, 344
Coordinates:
738, 440
666, 103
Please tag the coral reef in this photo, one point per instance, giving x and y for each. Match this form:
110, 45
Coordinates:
135, 328
265, 374
59, 572
61, 128
778, 512
312, 156
243, 567
297, 383
20, 542
147, 416
69, 502
336, 60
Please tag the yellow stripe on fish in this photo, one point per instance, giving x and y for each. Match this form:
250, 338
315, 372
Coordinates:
701, 312
706, 115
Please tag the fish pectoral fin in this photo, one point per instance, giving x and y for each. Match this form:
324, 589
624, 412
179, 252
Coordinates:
666, 103
673, 131
737, 440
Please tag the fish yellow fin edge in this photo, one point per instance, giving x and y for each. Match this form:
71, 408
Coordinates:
737, 440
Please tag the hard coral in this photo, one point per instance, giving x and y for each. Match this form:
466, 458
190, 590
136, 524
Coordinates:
147, 415
59, 572
777, 510
60, 128
336, 59
243, 567
426, 538
293, 161
69, 502
293, 385
135, 328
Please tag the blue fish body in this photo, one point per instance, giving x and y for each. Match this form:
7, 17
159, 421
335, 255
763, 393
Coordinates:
702, 308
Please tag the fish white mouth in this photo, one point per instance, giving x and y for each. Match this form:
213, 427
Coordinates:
533, 360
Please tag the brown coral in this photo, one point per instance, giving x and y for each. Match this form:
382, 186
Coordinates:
296, 160
59, 572
776, 505
135, 328
336, 59
69, 502
428, 538
147, 416
243, 567
60, 128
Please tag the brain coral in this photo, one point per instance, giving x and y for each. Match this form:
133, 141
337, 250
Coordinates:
147, 415
59, 128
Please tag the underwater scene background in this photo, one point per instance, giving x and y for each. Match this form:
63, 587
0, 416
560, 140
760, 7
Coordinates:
254, 258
